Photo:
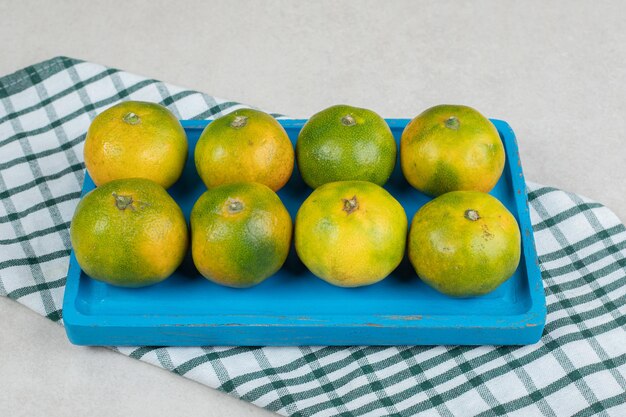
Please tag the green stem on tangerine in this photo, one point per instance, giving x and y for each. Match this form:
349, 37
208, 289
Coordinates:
453, 123
131, 118
234, 206
350, 205
122, 202
348, 120
471, 215
239, 122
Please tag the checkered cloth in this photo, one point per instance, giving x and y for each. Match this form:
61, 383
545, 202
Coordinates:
578, 367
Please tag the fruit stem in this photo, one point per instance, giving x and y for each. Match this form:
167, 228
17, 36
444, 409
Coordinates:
234, 206
453, 123
131, 118
350, 205
239, 122
123, 201
471, 215
348, 120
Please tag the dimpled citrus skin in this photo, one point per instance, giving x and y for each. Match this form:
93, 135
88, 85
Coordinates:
240, 234
464, 243
449, 148
351, 233
129, 232
244, 146
343, 143
136, 139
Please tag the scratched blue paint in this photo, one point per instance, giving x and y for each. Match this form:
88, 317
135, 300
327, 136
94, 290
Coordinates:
295, 308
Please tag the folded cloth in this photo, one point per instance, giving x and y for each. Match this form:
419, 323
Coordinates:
578, 367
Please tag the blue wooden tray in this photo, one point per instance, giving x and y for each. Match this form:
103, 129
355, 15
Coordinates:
294, 307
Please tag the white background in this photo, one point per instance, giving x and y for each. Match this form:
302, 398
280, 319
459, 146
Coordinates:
555, 70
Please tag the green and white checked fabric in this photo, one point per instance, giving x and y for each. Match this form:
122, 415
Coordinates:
577, 369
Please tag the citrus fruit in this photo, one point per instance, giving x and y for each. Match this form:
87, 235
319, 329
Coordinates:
244, 146
450, 148
240, 234
351, 233
129, 232
464, 243
343, 143
136, 139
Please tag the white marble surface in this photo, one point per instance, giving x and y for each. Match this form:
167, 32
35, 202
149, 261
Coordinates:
554, 70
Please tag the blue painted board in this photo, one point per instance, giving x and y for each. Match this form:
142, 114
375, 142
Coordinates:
293, 307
